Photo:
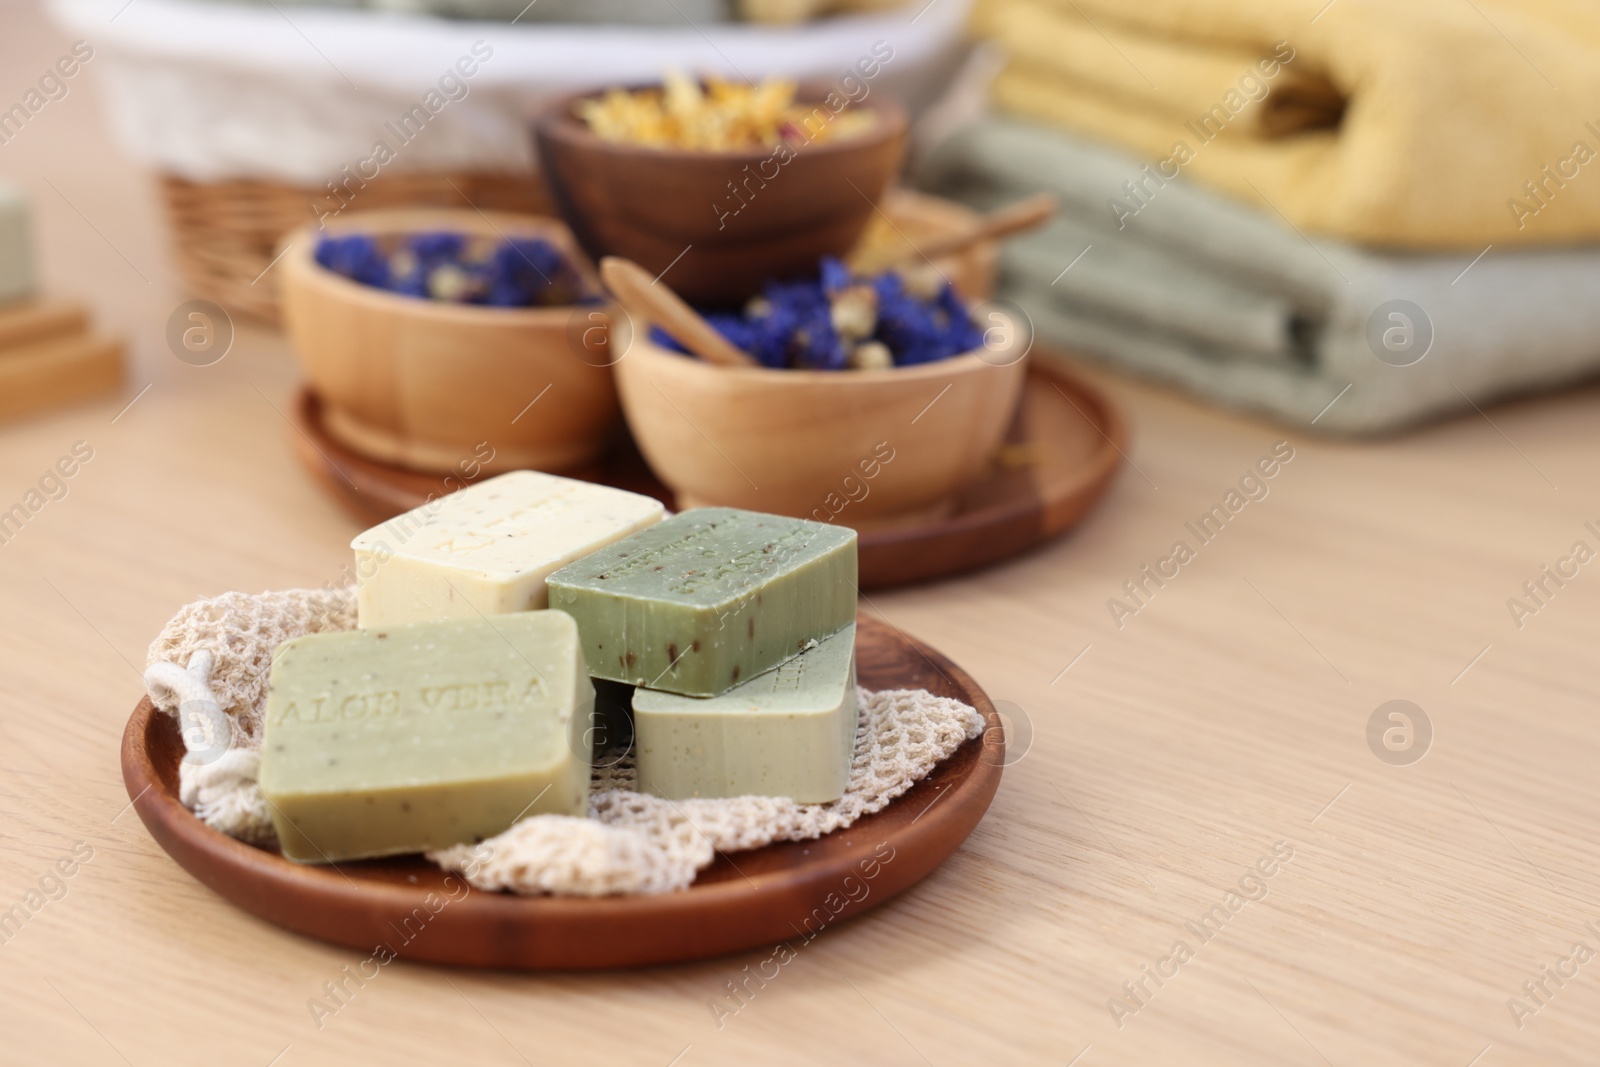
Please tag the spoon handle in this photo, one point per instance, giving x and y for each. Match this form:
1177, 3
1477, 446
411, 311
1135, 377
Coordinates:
1013, 218
653, 301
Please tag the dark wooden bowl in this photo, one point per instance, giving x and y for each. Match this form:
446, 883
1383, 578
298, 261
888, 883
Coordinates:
673, 208
747, 900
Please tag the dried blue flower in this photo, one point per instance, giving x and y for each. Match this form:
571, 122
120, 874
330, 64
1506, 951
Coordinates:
793, 323
355, 256
834, 275
517, 272
435, 248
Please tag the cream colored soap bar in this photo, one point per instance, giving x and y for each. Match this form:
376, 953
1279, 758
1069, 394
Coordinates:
788, 733
425, 735
487, 549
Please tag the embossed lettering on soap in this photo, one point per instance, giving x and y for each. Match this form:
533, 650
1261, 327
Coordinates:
385, 703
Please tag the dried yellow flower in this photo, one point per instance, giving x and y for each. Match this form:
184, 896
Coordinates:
716, 115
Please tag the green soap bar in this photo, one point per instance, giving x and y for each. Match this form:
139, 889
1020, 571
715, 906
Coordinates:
424, 735
708, 598
790, 732
16, 246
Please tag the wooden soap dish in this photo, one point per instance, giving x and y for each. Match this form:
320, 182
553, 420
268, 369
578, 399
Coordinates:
747, 900
1060, 455
48, 357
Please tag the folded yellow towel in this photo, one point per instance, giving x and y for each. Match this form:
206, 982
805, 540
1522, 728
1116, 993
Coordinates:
1429, 124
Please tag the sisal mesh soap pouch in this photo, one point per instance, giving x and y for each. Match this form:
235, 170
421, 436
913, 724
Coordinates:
209, 668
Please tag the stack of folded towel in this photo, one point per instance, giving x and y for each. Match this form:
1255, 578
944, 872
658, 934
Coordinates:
1292, 205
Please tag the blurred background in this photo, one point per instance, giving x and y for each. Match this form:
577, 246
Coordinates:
1269, 206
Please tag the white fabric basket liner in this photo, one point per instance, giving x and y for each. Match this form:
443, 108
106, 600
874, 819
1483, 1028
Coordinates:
211, 91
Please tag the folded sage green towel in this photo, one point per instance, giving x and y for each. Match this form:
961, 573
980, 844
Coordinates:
1171, 280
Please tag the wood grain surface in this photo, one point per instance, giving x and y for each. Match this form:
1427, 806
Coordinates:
1167, 757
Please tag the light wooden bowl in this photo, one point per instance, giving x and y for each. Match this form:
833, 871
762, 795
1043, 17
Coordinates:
226, 233
426, 384
797, 442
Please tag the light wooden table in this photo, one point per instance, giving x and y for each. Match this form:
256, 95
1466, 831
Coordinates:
1167, 757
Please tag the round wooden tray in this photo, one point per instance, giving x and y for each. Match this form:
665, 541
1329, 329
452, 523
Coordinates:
1061, 454
780, 893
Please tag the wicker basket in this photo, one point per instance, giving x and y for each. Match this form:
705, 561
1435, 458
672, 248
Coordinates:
225, 234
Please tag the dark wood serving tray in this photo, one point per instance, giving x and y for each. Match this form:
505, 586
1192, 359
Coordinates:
744, 900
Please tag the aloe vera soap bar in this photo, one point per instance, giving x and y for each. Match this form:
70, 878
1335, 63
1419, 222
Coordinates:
425, 735
487, 549
790, 732
709, 598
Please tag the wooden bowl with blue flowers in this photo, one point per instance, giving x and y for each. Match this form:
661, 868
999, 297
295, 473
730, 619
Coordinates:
437, 338
877, 395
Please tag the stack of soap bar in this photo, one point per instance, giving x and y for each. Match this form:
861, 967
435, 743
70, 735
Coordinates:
789, 732
488, 548
16, 246
709, 598
425, 735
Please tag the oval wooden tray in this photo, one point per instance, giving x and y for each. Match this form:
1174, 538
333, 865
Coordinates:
749, 899
1061, 454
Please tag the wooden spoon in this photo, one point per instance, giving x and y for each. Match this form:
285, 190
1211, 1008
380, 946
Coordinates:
1002, 222
653, 301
